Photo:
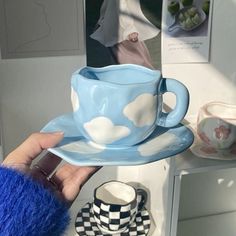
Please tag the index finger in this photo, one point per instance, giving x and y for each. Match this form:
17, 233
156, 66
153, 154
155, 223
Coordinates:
32, 147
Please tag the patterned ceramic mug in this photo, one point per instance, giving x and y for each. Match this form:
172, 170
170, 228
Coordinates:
121, 105
116, 205
217, 124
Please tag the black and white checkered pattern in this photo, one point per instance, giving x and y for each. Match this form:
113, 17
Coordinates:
86, 225
114, 217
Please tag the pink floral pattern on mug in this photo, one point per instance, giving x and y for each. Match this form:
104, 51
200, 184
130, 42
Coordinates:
204, 138
222, 132
208, 150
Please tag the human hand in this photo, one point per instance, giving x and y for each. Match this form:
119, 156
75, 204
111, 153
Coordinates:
66, 182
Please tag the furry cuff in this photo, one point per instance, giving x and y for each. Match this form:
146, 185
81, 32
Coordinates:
27, 208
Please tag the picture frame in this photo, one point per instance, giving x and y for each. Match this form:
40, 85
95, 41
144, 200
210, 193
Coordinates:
41, 28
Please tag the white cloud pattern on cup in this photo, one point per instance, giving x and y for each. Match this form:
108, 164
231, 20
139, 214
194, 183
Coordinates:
102, 130
74, 99
142, 110
158, 144
83, 147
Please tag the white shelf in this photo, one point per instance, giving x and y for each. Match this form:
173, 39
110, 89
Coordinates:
215, 225
188, 163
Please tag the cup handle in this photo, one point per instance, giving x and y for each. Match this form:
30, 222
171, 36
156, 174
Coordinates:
174, 117
142, 198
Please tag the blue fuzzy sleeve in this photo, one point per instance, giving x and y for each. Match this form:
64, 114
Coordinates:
27, 208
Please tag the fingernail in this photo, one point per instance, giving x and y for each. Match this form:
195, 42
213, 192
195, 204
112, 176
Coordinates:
58, 133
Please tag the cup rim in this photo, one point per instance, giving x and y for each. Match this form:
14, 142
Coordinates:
156, 73
223, 104
117, 204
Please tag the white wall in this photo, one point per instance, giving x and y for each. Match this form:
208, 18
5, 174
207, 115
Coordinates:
215, 80
33, 91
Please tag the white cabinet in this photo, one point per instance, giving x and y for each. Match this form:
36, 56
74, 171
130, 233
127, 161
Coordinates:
216, 225
188, 164
164, 180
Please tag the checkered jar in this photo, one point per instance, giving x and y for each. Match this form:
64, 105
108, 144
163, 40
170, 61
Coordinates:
114, 217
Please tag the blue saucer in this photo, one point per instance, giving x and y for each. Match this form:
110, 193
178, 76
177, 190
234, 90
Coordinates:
75, 149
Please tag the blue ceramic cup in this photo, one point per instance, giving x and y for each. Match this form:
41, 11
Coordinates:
121, 105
